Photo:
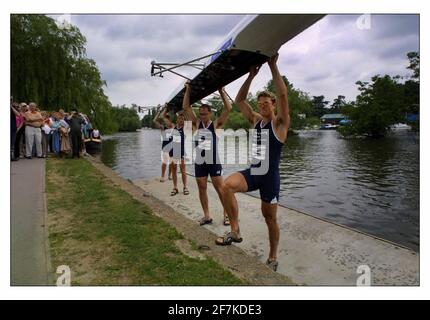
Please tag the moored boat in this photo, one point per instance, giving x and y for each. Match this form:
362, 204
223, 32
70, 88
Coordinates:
328, 126
93, 142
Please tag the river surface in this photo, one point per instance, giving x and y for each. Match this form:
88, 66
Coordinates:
369, 185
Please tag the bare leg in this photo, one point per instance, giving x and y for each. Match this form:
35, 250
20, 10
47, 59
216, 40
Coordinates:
269, 212
163, 170
234, 183
218, 183
202, 183
183, 173
170, 173
174, 170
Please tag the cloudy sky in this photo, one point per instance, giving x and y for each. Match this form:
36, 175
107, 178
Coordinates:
326, 59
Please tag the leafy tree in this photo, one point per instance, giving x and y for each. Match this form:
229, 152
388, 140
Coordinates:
147, 120
319, 106
235, 120
298, 102
379, 105
412, 86
412, 96
414, 64
49, 66
337, 104
127, 118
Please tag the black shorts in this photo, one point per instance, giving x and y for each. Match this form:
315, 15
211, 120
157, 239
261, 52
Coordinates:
182, 156
175, 156
268, 184
203, 170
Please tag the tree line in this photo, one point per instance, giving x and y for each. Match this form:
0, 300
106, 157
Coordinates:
384, 101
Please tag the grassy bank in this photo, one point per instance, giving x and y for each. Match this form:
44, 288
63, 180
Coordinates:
108, 238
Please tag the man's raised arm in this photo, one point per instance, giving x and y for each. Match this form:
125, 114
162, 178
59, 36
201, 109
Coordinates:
157, 120
283, 112
187, 106
166, 118
242, 96
221, 120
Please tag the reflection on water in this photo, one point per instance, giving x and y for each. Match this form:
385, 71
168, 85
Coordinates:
109, 155
370, 185
134, 155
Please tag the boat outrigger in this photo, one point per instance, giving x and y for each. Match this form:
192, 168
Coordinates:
251, 42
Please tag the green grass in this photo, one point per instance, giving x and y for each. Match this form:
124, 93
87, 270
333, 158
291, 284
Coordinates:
108, 238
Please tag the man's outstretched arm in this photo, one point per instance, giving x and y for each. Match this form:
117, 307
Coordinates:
283, 111
157, 120
165, 118
187, 106
221, 120
242, 96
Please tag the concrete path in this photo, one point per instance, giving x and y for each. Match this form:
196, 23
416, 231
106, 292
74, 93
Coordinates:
29, 251
311, 251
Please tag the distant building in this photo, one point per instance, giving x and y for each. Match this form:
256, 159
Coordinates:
413, 117
332, 118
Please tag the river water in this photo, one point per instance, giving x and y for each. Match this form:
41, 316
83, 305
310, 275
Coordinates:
369, 185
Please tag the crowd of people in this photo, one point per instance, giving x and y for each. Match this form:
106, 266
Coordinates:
270, 125
36, 133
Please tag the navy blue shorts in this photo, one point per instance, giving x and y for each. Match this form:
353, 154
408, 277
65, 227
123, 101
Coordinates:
203, 170
181, 157
268, 184
177, 147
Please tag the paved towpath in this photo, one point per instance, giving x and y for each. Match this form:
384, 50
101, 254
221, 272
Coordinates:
29, 245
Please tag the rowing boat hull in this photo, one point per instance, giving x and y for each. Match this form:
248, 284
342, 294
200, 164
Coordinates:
251, 42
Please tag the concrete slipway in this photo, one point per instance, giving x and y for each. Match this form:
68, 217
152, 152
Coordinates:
311, 251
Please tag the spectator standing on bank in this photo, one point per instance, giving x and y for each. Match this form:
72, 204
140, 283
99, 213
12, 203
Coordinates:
55, 132
64, 134
76, 122
33, 123
20, 133
13, 129
46, 132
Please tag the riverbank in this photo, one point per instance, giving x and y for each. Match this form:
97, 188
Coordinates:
108, 238
312, 251
108, 233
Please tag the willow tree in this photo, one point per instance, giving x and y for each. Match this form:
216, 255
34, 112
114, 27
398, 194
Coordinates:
49, 66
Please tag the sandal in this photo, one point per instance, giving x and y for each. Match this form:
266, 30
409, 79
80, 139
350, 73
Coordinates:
186, 191
228, 238
272, 264
205, 220
174, 192
226, 221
